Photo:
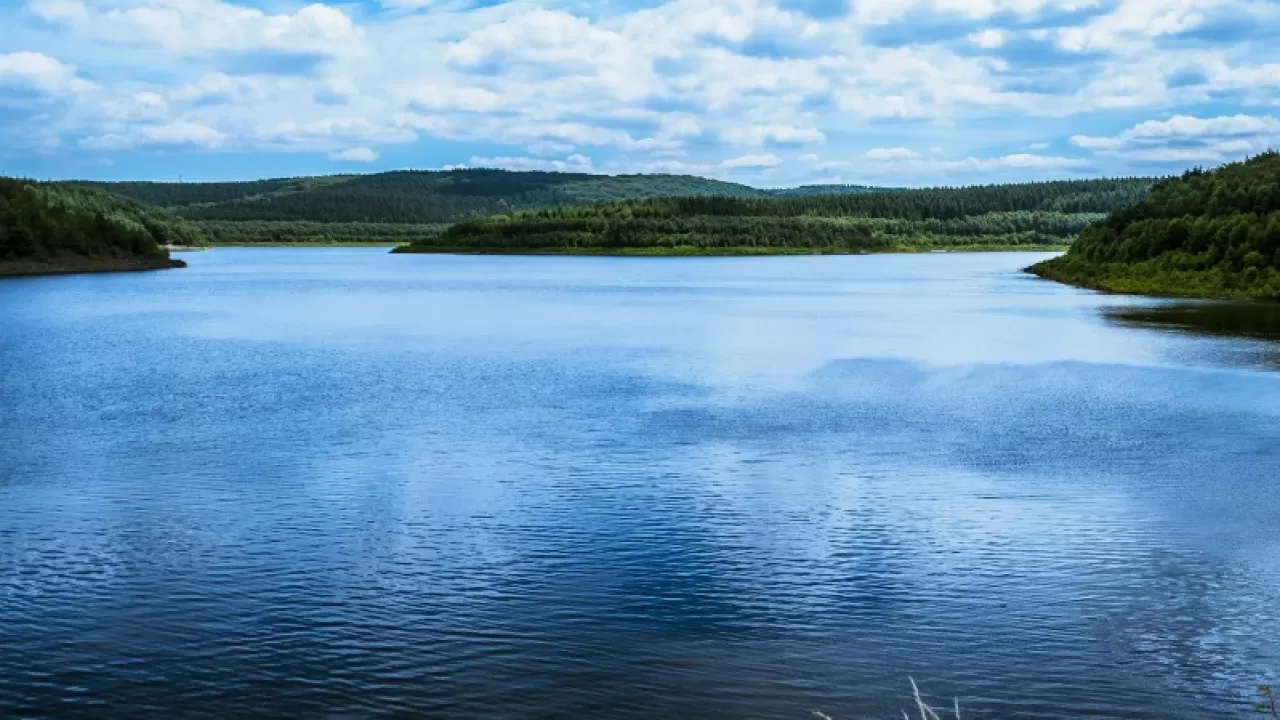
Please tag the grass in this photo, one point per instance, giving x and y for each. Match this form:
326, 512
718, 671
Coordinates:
1160, 278
926, 712
1267, 707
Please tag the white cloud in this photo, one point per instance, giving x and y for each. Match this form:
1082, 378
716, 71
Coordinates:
988, 39
752, 161
428, 98
1186, 139
36, 71
573, 163
893, 153
197, 26
171, 136
355, 155
758, 135
1035, 162
676, 86
219, 88
325, 134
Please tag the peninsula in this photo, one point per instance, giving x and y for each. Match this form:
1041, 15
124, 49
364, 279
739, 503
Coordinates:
1211, 234
55, 228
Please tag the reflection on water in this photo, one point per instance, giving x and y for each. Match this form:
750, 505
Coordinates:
1241, 320
340, 483
1255, 320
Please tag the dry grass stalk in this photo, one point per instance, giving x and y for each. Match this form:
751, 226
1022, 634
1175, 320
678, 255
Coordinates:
926, 712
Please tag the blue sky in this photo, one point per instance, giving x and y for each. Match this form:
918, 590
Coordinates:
766, 92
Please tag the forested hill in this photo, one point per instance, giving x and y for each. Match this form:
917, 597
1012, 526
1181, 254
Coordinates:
1205, 234
412, 196
53, 227
1028, 214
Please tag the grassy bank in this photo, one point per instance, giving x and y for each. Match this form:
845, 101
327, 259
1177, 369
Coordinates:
1162, 278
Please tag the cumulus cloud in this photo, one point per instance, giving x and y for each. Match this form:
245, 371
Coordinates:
292, 136
39, 72
573, 163
355, 155
752, 161
893, 153
219, 88
758, 135
702, 86
1184, 139
199, 26
171, 136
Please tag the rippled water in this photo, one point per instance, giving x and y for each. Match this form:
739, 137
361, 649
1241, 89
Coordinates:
340, 483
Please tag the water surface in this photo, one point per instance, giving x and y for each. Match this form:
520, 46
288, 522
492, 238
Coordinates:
340, 483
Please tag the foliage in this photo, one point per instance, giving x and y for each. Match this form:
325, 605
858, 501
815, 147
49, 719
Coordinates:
1034, 214
174, 195
268, 232
1204, 234
1268, 707
45, 221
412, 197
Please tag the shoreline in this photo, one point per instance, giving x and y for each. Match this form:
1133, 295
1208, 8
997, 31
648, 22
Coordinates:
744, 251
1158, 285
307, 244
79, 266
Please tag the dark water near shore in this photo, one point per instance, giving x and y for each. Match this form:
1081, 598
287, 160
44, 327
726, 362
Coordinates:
338, 483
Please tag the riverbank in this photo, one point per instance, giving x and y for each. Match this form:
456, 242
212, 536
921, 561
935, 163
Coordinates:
1157, 279
308, 244
731, 251
73, 265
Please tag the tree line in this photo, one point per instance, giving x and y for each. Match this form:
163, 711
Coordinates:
42, 221
998, 215
407, 197
1205, 233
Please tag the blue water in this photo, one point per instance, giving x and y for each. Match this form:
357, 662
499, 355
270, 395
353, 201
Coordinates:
340, 483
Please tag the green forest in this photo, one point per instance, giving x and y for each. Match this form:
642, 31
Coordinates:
393, 207
508, 211
1021, 215
1206, 234
52, 227
411, 197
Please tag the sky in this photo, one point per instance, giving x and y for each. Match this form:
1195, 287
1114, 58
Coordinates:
769, 93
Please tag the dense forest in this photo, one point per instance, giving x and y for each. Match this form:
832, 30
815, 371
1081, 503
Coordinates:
1205, 234
1021, 215
547, 210
297, 232
52, 227
411, 197
177, 195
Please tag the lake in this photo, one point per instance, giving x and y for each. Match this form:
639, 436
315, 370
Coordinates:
341, 483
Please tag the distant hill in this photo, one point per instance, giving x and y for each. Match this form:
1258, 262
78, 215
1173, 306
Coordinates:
1018, 215
1206, 234
55, 227
412, 196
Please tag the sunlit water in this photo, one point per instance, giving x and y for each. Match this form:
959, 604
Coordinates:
340, 483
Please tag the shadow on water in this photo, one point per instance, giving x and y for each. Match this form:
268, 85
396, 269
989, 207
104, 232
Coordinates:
1247, 321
